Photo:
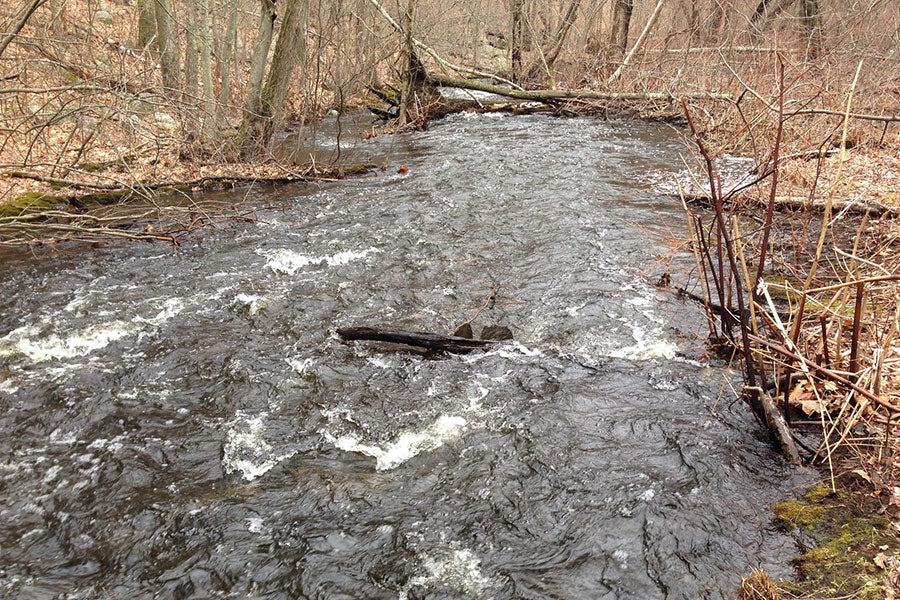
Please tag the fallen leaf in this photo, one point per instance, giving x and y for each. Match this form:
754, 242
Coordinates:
863, 474
799, 394
811, 407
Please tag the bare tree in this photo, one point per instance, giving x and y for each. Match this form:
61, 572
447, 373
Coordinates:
146, 25
290, 50
260, 57
621, 23
209, 98
407, 57
811, 17
226, 56
559, 38
191, 48
168, 48
516, 39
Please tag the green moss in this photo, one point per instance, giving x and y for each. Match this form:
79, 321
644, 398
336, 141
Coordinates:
847, 539
794, 514
29, 201
818, 493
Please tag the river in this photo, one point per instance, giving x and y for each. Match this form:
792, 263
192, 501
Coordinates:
185, 424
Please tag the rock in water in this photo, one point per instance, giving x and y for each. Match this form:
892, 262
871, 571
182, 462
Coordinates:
496, 332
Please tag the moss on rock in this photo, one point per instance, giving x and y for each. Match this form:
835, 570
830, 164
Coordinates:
30, 201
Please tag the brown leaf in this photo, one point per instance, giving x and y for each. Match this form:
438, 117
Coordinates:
811, 407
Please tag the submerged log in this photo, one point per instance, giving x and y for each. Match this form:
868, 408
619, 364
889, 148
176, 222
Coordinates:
420, 339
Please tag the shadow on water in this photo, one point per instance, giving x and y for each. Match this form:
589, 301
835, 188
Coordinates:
185, 424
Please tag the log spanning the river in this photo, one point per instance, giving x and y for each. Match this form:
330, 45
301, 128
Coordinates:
559, 95
420, 339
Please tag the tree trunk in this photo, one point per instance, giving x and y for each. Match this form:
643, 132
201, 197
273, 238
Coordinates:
639, 43
516, 40
260, 58
406, 62
765, 13
811, 17
191, 65
209, 95
146, 25
621, 18
718, 24
168, 48
227, 56
290, 49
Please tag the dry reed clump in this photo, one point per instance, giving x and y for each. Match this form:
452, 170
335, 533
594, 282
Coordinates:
758, 586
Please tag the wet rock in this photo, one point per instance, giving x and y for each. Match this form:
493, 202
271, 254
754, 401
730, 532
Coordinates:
464, 331
496, 332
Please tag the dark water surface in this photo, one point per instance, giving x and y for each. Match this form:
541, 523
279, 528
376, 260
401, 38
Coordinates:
186, 425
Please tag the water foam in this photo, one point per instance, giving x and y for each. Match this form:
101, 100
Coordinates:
27, 340
251, 302
23, 341
290, 262
457, 568
647, 346
246, 450
407, 445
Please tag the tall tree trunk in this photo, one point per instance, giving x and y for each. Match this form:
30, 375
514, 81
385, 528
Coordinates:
229, 46
209, 94
621, 23
406, 63
146, 25
260, 57
811, 17
516, 40
191, 47
290, 49
168, 48
639, 43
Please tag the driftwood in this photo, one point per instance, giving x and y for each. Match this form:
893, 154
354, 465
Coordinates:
779, 428
874, 208
420, 339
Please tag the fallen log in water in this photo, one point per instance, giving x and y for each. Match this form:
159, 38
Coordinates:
559, 95
420, 339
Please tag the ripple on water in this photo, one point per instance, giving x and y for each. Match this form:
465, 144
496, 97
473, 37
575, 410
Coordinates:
185, 424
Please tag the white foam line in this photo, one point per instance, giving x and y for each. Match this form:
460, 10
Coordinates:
290, 262
407, 445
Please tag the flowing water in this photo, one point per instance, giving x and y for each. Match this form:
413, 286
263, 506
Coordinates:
185, 424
